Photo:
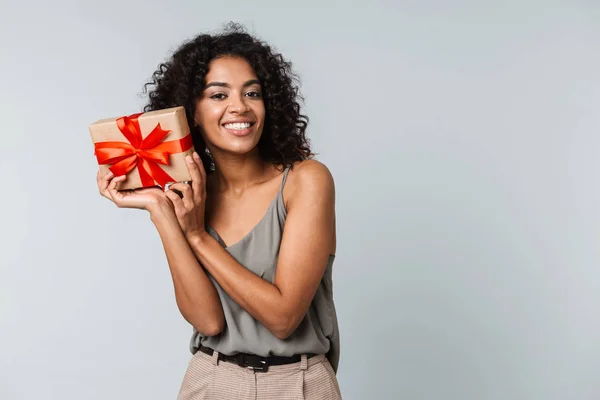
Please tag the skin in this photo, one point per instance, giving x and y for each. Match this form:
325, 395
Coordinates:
239, 192
196, 297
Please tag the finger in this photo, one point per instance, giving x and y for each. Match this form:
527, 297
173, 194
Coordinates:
112, 189
112, 186
187, 193
177, 202
103, 181
196, 176
149, 189
178, 192
199, 186
197, 180
200, 165
106, 178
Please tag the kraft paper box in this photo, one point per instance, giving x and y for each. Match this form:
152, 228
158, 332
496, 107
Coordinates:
150, 148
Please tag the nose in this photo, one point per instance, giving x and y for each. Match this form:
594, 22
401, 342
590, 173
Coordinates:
238, 104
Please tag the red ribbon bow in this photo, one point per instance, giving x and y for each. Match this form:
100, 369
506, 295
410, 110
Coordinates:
145, 154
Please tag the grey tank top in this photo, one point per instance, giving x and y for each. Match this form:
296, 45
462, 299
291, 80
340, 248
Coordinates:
258, 251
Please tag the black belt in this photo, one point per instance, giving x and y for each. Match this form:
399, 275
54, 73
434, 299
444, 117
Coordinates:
254, 362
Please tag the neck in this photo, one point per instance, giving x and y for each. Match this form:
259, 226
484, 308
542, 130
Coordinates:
236, 173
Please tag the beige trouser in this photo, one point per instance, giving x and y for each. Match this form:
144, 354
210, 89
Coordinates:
208, 378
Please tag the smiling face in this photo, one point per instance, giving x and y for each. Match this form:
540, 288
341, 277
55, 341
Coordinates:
231, 111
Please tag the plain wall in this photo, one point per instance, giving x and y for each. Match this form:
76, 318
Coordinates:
464, 139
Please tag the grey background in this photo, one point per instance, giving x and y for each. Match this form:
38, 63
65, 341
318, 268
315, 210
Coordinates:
464, 140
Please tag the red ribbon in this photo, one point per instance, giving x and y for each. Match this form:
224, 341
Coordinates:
145, 154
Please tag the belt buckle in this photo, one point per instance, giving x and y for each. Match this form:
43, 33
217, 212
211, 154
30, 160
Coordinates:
255, 363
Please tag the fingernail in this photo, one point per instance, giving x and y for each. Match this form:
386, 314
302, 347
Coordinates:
196, 155
189, 160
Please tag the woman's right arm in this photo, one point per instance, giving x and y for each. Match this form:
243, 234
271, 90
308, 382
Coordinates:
196, 296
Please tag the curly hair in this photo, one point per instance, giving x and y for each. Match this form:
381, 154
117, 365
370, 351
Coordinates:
181, 80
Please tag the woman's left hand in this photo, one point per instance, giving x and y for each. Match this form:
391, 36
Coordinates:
190, 207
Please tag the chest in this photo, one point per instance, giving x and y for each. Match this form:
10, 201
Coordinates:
234, 219
256, 245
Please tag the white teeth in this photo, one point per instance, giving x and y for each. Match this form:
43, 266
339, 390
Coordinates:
238, 126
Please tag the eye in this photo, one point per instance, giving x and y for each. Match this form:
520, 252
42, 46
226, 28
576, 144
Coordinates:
218, 96
254, 94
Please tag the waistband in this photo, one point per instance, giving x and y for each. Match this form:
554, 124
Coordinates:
253, 361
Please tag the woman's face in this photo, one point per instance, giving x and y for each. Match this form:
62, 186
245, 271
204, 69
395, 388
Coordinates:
231, 111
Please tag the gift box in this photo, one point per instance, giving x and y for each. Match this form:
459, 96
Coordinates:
149, 148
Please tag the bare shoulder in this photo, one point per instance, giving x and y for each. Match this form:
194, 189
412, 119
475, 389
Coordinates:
311, 179
311, 172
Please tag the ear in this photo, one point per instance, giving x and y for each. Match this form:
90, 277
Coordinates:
197, 126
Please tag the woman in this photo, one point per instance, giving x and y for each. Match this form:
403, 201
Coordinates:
251, 241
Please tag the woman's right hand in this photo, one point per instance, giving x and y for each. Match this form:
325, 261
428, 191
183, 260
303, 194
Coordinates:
144, 199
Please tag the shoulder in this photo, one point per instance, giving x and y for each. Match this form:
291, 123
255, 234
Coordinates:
311, 170
309, 179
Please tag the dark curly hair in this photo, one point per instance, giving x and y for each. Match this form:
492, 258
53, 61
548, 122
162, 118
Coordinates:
181, 80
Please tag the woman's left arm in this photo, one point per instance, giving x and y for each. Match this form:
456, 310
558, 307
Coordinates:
304, 252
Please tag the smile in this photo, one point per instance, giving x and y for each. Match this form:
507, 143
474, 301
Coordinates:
239, 128
238, 125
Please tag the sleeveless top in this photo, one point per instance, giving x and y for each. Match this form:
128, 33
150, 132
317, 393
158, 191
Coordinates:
258, 251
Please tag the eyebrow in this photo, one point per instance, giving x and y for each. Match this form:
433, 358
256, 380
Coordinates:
227, 85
